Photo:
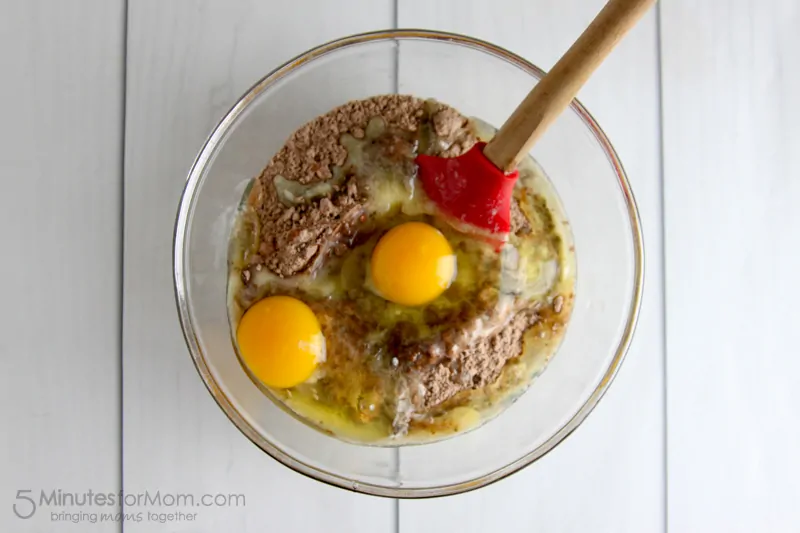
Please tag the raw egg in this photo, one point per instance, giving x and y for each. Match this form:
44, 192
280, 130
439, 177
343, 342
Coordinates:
280, 341
412, 264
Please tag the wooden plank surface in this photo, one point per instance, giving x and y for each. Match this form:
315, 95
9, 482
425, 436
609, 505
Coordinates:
609, 475
60, 186
188, 62
731, 76
730, 139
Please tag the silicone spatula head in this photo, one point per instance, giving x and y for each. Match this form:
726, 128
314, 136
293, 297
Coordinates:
469, 188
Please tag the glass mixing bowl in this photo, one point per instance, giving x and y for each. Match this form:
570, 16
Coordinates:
480, 80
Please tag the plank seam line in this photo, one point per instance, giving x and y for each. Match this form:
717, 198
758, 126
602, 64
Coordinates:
124, 104
663, 266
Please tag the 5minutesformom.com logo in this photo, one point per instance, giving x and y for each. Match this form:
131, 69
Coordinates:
27, 502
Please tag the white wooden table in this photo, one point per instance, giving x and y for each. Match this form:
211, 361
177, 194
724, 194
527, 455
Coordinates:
104, 104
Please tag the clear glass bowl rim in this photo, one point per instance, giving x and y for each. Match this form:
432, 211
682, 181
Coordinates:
180, 275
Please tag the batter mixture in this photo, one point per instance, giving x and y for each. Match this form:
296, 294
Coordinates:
395, 323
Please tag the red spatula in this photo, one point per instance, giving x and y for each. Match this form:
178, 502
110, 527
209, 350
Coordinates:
476, 187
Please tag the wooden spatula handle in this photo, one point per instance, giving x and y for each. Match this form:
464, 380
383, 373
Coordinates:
557, 89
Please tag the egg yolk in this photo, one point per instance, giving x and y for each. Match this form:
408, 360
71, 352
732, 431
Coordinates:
412, 264
280, 341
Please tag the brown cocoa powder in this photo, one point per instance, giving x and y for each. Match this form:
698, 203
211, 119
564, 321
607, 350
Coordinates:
473, 364
296, 239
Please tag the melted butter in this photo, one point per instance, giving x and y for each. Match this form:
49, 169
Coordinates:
334, 420
292, 193
388, 189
